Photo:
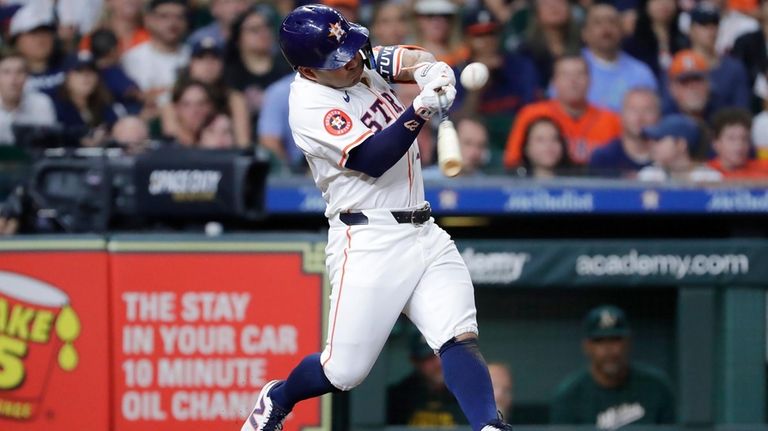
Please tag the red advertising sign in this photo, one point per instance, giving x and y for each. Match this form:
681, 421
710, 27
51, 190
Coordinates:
53, 326
196, 335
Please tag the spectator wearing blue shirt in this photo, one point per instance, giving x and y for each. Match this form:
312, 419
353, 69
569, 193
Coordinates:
224, 13
727, 76
613, 71
274, 132
82, 102
626, 155
123, 89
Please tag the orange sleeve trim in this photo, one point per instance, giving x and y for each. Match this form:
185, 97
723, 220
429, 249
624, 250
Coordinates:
350, 147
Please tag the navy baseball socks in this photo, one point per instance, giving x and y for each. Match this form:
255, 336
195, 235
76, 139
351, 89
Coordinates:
466, 376
306, 381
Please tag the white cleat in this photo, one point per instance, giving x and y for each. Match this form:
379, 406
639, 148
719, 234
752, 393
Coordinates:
266, 415
497, 425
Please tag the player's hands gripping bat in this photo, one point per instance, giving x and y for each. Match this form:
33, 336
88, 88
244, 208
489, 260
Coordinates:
436, 97
425, 73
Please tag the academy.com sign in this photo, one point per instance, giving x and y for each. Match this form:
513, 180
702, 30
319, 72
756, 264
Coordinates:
494, 267
678, 266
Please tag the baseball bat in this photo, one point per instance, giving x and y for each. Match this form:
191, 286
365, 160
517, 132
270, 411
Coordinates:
448, 151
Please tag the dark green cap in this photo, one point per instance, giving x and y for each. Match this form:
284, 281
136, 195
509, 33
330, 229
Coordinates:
606, 321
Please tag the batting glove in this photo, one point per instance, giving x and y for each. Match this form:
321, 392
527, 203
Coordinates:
428, 72
437, 95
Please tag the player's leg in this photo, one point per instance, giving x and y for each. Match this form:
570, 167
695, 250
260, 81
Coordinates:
443, 308
372, 279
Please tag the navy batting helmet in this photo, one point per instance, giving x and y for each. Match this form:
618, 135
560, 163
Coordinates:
319, 36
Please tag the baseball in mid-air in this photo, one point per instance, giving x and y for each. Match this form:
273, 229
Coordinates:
474, 76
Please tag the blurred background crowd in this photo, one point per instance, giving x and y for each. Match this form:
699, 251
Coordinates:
653, 89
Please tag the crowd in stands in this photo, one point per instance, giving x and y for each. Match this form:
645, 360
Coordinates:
647, 89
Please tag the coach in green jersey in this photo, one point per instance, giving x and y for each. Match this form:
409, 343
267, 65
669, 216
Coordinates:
612, 392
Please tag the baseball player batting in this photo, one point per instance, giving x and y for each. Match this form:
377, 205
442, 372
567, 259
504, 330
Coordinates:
385, 255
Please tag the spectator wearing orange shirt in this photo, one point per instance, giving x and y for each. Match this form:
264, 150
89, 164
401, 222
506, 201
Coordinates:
732, 146
125, 19
584, 125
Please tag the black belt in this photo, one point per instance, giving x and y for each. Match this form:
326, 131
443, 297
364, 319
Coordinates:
419, 216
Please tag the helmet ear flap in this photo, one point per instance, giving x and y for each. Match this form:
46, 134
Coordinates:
368, 58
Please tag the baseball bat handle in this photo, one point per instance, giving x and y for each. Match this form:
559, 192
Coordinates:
448, 151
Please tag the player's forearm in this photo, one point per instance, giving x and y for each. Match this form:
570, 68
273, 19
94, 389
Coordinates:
410, 59
377, 154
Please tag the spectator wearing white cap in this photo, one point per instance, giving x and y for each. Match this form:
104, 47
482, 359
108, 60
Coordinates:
438, 30
17, 105
33, 34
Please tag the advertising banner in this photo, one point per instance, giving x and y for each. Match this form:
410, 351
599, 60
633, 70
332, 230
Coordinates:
198, 332
617, 263
54, 358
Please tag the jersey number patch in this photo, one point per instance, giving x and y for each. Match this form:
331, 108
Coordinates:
337, 122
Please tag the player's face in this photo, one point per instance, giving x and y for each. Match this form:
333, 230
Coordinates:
608, 356
732, 146
345, 76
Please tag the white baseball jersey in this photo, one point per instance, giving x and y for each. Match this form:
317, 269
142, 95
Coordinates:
383, 268
327, 123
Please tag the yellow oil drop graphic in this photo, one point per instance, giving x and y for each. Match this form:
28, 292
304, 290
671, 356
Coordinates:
68, 357
68, 329
68, 325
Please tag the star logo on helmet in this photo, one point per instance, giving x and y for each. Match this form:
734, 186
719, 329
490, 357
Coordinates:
336, 31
